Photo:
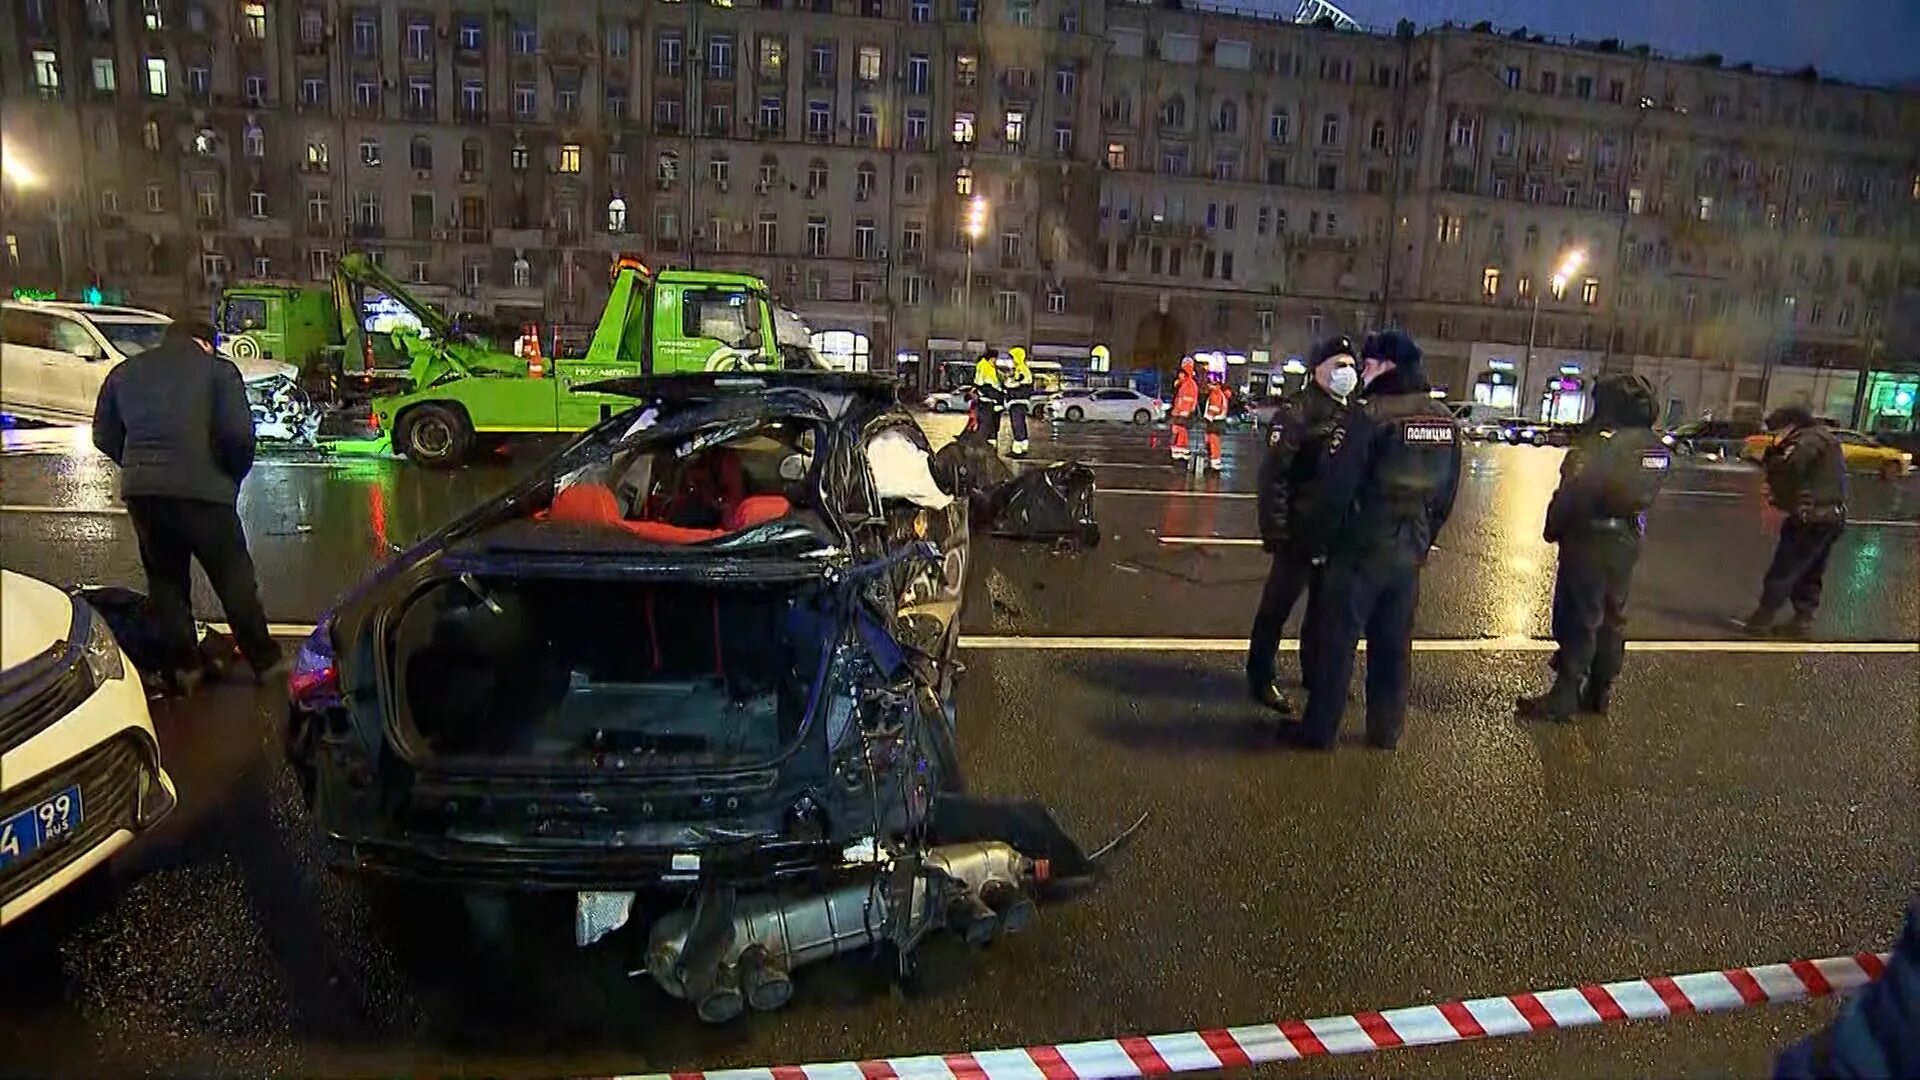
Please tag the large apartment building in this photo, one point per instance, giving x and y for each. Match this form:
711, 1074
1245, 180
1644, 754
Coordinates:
1157, 180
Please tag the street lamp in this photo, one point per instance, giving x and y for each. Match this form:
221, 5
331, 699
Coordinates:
16, 171
975, 225
1570, 264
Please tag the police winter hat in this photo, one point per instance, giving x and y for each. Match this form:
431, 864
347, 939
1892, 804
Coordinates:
1337, 345
1797, 415
1395, 348
1623, 400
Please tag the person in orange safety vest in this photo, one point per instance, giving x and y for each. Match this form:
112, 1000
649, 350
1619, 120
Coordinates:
1216, 416
1186, 402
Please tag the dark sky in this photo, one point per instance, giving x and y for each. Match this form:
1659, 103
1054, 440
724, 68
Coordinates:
1875, 41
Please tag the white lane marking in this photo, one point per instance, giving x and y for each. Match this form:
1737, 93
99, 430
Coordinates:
277, 629
1046, 643
1709, 494
1887, 523
12, 508
1229, 541
1169, 466
1188, 494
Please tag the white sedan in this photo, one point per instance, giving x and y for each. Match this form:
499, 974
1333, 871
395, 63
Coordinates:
959, 399
80, 771
1115, 403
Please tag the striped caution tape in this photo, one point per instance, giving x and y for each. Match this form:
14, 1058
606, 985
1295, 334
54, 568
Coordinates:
1359, 1033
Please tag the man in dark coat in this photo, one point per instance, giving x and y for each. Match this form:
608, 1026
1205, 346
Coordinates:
1289, 473
1608, 480
1807, 481
1392, 471
175, 419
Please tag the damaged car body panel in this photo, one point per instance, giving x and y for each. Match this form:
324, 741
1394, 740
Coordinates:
704, 656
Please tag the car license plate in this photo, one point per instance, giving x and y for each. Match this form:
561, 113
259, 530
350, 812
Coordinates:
48, 820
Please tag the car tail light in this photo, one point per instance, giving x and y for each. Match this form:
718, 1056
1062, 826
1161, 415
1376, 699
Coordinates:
315, 678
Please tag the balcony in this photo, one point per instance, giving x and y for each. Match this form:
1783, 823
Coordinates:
367, 230
471, 235
519, 238
1170, 230
520, 295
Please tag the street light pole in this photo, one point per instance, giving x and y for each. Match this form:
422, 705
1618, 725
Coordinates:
24, 177
975, 225
1570, 263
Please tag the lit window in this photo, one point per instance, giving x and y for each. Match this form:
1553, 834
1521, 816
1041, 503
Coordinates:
257, 203
1116, 155
867, 64
570, 158
104, 79
963, 181
1016, 126
1490, 282
254, 142
1703, 207
46, 71
156, 76
369, 151
616, 215
253, 20
963, 128
522, 273
1590, 292
151, 9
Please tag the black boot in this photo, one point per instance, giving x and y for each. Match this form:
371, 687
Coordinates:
1595, 697
1557, 703
1269, 694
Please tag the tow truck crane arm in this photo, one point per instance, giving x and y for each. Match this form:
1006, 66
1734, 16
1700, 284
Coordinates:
435, 354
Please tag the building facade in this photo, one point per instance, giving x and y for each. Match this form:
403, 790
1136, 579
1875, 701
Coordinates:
1160, 181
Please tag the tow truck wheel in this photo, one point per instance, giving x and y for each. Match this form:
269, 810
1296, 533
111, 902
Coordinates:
435, 436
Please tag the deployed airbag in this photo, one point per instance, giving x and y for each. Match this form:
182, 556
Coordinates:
902, 470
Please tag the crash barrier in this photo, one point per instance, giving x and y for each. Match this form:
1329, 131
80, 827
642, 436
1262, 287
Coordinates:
1361, 1033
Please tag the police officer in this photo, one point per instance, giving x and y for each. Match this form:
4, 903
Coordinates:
1608, 479
1807, 481
1019, 387
1296, 442
1392, 470
989, 399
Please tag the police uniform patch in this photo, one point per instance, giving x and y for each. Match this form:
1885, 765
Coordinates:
1274, 435
1429, 433
1653, 461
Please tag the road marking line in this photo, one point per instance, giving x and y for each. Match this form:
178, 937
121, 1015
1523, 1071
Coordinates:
1709, 494
1188, 494
1229, 541
11, 508
1888, 523
1064, 643
1362, 1033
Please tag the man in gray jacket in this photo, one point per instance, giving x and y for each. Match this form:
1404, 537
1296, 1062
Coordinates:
175, 419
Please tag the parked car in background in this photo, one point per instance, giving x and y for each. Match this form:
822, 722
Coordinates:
80, 771
1712, 438
1113, 403
1479, 421
957, 399
1864, 453
55, 356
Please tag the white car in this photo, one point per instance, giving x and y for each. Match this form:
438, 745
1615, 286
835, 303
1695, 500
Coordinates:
54, 357
1115, 403
80, 772
958, 399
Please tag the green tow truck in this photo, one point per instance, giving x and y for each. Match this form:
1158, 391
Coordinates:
442, 394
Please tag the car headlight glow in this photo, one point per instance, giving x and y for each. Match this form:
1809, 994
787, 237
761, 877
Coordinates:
102, 653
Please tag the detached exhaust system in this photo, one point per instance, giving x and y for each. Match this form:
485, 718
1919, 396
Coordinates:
727, 954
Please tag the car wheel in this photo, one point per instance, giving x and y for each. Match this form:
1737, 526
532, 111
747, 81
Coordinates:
1538, 439
939, 405
1076, 414
1142, 417
436, 436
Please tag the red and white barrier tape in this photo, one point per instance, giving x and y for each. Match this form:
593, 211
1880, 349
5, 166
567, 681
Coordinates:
1360, 1033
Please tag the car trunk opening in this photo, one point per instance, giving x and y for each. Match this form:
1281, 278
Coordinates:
561, 674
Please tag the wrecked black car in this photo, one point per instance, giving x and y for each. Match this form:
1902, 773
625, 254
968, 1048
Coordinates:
697, 668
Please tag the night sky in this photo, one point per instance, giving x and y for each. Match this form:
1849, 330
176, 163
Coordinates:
1876, 41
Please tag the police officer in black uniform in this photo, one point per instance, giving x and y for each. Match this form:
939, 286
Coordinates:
1296, 442
1609, 478
1807, 481
1392, 470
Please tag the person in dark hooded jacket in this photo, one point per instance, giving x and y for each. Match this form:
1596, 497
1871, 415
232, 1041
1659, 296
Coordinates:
1609, 478
1392, 469
1806, 481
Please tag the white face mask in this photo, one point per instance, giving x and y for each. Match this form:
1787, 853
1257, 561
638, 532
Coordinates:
1342, 381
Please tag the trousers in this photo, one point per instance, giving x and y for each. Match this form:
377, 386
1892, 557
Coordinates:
1590, 606
1017, 415
1287, 578
1372, 596
173, 534
1799, 566
1177, 428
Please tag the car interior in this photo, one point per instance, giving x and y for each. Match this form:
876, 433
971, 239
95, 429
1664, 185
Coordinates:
688, 492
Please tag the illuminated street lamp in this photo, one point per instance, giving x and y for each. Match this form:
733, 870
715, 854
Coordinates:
16, 171
1570, 264
975, 225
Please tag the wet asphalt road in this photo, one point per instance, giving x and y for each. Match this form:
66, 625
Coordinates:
1734, 809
